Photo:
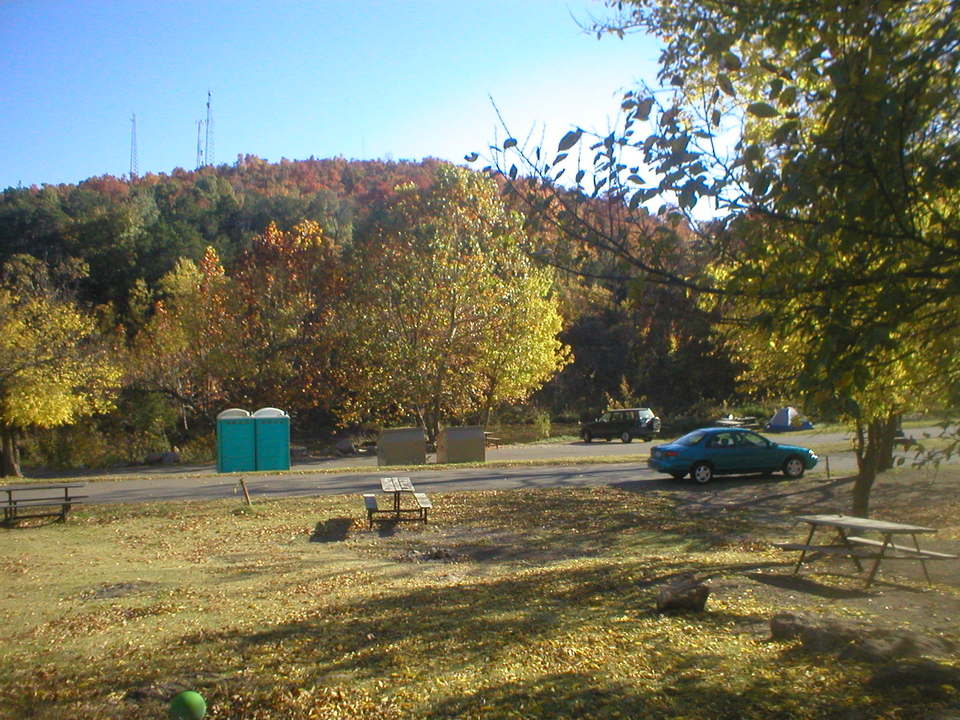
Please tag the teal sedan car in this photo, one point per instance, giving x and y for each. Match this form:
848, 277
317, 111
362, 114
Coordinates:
729, 451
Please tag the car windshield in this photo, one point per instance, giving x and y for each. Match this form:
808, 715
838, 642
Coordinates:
691, 438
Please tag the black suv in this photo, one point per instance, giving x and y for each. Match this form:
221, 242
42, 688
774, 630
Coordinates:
626, 424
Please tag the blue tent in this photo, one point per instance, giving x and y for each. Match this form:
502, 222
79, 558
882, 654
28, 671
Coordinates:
786, 419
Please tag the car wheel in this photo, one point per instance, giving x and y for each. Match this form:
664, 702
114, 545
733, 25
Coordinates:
626, 437
587, 437
702, 472
793, 467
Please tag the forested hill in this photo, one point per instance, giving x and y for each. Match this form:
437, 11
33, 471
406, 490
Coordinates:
650, 347
127, 230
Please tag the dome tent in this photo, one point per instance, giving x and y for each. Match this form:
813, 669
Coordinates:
786, 419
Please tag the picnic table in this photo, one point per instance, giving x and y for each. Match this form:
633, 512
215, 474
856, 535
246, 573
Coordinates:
849, 542
37, 501
397, 486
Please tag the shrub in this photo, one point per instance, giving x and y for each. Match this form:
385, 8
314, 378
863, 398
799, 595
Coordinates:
541, 424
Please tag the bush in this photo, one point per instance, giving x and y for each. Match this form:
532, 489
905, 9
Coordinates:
201, 449
541, 425
85, 446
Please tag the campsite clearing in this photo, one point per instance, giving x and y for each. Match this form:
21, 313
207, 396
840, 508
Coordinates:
519, 603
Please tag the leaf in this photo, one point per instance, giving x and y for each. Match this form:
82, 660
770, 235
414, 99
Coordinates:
569, 140
643, 109
669, 116
723, 80
471, 157
769, 66
715, 117
509, 143
579, 177
762, 110
731, 61
788, 96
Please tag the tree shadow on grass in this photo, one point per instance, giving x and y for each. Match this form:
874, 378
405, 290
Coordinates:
693, 692
705, 572
475, 627
807, 586
332, 530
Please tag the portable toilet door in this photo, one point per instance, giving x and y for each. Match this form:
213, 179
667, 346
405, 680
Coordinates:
235, 441
272, 430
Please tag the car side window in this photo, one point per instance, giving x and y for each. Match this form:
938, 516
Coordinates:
721, 440
752, 440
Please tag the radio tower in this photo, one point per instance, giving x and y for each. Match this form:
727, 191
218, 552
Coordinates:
208, 147
134, 170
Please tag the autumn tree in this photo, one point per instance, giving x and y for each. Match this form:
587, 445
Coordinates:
287, 287
257, 335
55, 367
826, 137
448, 313
190, 348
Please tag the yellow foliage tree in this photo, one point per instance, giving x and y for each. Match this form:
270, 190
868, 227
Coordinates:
449, 314
191, 346
55, 367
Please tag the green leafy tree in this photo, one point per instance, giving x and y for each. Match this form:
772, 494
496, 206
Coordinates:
448, 313
55, 367
837, 248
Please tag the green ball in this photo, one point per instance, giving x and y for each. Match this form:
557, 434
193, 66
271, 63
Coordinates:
188, 705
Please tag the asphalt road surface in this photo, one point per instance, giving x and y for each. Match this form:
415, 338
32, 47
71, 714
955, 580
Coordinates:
318, 477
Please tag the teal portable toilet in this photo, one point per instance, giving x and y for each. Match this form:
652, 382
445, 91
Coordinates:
235, 441
272, 431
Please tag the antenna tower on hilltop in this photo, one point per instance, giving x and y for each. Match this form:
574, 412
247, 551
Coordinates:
208, 147
134, 170
205, 137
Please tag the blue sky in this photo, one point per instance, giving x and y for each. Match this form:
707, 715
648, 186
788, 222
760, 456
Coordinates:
358, 79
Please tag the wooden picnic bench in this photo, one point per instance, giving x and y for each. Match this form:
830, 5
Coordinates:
859, 548
489, 440
20, 502
396, 486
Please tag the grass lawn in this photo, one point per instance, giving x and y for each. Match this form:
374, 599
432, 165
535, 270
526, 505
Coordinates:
509, 604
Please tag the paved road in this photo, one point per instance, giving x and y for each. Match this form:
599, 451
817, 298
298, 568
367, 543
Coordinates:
321, 477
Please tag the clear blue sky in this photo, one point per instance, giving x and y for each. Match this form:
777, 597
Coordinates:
354, 78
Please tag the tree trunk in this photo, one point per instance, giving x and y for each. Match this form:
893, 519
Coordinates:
889, 432
488, 403
874, 447
9, 455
